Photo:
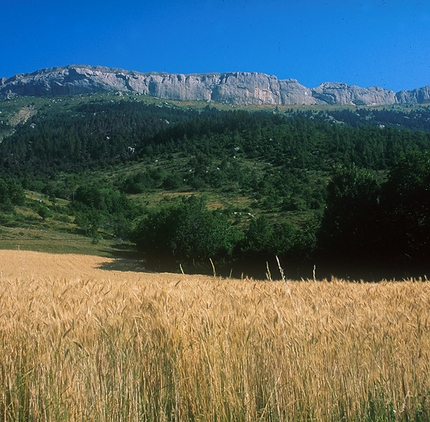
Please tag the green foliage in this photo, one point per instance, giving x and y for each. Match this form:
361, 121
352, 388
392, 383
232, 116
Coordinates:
406, 199
138, 183
379, 228
103, 207
259, 237
95, 152
98, 133
264, 238
16, 192
350, 216
5, 200
90, 221
349, 239
187, 232
11, 194
44, 211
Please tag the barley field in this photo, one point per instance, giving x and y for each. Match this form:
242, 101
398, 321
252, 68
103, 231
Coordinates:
83, 339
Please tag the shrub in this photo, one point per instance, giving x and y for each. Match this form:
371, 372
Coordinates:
187, 232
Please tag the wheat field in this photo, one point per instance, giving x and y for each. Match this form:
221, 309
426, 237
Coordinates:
81, 340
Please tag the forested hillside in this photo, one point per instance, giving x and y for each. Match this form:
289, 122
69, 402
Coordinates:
343, 189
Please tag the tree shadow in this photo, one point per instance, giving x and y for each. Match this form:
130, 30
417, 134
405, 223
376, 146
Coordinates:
126, 259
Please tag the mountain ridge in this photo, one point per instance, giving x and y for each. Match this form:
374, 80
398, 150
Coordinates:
235, 88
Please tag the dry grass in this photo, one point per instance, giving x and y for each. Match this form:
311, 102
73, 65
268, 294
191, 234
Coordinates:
81, 343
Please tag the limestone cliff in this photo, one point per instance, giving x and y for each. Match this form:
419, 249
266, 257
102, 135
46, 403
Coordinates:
416, 96
236, 88
341, 93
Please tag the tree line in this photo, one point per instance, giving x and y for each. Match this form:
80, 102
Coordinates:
101, 134
369, 228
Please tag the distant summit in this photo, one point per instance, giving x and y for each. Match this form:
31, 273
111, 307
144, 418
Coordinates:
236, 88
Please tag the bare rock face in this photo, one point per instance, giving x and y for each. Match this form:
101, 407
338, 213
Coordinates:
240, 88
294, 93
416, 96
341, 93
236, 88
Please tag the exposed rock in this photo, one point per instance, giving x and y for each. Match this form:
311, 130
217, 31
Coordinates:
236, 88
294, 93
416, 96
341, 93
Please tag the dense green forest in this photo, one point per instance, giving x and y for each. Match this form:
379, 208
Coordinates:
345, 190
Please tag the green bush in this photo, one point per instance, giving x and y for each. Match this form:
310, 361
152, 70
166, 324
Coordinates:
187, 232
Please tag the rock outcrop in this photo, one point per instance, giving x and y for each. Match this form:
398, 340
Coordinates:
236, 88
416, 96
341, 93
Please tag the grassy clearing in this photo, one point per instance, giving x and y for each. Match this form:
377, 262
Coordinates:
48, 240
81, 343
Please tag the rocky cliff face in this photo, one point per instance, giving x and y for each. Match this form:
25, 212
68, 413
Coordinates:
416, 96
239, 88
340, 93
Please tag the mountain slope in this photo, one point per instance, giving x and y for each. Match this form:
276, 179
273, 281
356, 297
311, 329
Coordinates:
236, 88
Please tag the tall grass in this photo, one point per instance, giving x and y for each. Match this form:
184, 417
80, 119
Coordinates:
182, 348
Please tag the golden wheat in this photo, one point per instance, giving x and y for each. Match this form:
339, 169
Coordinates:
81, 343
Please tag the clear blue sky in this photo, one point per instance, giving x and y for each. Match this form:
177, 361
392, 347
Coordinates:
360, 42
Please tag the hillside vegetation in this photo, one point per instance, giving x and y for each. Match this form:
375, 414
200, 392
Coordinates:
188, 184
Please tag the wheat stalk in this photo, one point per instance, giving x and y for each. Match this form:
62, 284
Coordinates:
180, 347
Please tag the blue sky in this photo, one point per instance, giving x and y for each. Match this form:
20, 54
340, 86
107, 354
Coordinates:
360, 42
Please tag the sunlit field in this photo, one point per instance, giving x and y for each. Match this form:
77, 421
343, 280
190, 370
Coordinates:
83, 340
